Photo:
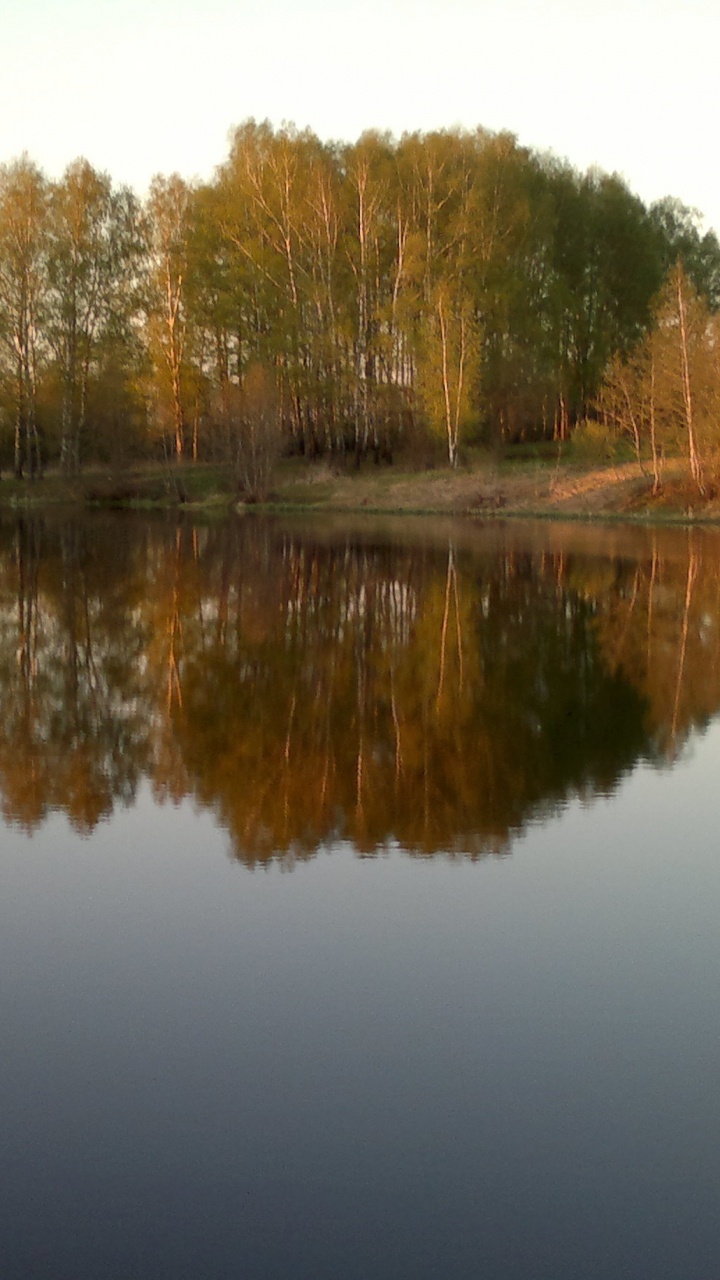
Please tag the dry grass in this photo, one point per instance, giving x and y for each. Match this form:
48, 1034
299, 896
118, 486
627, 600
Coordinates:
487, 489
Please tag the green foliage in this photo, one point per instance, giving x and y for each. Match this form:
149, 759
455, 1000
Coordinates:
92, 259
596, 443
449, 357
664, 394
453, 280
680, 240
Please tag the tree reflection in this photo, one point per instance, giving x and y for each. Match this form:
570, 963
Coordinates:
73, 734
308, 687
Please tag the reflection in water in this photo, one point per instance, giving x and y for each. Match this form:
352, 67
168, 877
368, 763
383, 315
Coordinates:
436, 691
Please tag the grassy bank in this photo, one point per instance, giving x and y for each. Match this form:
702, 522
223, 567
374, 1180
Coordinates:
483, 487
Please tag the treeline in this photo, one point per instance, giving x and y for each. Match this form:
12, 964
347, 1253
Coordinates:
347, 298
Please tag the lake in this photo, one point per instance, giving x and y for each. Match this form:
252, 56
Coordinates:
360, 908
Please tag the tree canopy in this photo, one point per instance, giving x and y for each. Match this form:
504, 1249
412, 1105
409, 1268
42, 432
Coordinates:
451, 282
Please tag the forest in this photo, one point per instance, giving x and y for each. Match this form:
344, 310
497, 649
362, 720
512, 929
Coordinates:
351, 301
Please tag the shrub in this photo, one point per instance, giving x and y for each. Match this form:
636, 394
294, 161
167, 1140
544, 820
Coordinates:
253, 425
594, 442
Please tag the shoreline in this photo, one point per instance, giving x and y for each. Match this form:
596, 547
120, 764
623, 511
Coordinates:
509, 489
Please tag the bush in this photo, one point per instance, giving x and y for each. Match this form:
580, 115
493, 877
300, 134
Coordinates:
593, 442
254, 428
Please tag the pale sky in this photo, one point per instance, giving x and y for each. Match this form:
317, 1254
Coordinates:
146, 86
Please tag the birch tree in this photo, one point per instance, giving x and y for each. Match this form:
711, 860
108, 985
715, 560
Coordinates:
23, 263
168, 219
450, 365
93, 250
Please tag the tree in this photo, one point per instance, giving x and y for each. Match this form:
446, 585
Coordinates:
23, 260
168, 211
255, 429
688, 369
93, 250
450, 364
678, 238
665, 392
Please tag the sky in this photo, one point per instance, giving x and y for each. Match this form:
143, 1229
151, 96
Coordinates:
146, 86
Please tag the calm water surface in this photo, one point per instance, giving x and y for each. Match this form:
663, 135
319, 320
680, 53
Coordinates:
360, 901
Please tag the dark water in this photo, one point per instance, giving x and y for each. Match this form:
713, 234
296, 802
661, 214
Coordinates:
476, 1030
